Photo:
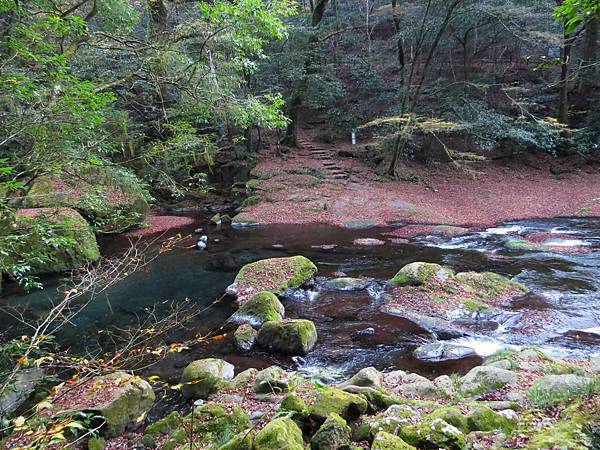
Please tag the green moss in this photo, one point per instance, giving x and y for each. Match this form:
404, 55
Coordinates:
252, 184
278, 434
488, 285
482, 418
572, 434
434, 433
331, 400
453, 416
295, 337
387, 441
262, 307
552, 390
292, 402
95, 443
475, 306
557, 368
251, 201
166, 425
522, 244
418, 273
216, 219
244, 337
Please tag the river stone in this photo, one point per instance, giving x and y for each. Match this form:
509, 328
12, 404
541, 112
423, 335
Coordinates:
434, 434
243, 379
22, 386
377, 399
346, 284
556, 389
445, 385
272, 380
120, 398
260, 308
442, 351
418, 273
204, 377
482, 418
482, 379
334, 434
387, 441
291, 337
275, 275
281, 433
367, 377
332, 400
244, 337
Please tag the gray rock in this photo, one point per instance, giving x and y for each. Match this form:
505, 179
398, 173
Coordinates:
595, 365
484, 379
271, 380
334, 434
346, 284
442, 351
24, 384
244, 337
367, 377
445, 385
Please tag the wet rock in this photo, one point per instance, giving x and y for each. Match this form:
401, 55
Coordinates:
260, 308
275, 275
346, 284
271, 380
293, 337
204, 377
278, 434
523, 245
367, 377
484, 379
387, 441
368, 242
370, 331
442, 351
332, 400
243, 220
334, 434
326, 248
244, 337
118, 397
418, 273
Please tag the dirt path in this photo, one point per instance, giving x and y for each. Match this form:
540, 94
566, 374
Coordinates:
312, 184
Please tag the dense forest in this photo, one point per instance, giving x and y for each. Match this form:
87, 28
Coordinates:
119, 117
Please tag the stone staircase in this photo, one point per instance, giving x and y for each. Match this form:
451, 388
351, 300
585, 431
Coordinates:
317, 152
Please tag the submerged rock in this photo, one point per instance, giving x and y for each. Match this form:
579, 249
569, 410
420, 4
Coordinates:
281, 433
368, 242
121, 399
292, 337
204, 377
260, 308
442, 351
346, 284
275, 275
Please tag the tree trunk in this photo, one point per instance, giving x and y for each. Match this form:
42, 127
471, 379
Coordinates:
563, 105
590, 55
158, 14
291, 133
318, 12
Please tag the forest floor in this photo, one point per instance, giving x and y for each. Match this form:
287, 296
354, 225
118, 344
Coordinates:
312, 184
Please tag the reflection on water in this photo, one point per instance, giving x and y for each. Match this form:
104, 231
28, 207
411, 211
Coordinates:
563, 303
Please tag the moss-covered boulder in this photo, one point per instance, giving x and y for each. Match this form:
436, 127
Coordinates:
334, 434
110, 198
367, 377
292, 403
390, 421
243, 379
274, 275
272, 380
418, 273
387, 441
204, 377
59, 237
120, 398
281, 433
568, 434
244, 337
453, 416
244, 220
552, 390
434, 434
482, 418
332, 400
209, 425
489, 285
482, 379
260, 308
291, 337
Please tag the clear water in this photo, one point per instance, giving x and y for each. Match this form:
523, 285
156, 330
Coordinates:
561, 314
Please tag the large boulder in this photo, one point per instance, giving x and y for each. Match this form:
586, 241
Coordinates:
331, 400
334, 434
291, 337
110, 198
418, 273
260, 308
204, 377
482, 379
275, 275
120, 398
279, 434
59, 238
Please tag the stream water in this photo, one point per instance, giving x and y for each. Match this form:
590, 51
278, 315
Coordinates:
561, 313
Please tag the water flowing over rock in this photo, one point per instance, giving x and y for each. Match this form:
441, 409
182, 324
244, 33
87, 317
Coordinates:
442, 351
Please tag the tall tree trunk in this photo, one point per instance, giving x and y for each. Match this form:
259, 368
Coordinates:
590, 56
158, 14
291, 132
318, 12
565, 66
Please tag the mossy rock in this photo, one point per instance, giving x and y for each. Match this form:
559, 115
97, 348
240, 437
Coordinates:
489, 285
552, 390
281, 433
205, 377
260, 308
244, 220
272, 380
243, 379
110, 198
387, 441
570, 434
334, 434
96, 443
482, 418
291, 337
59, 237
523, 245
216, 219
121, 399
391, 421
251, 201
453, 416
244, 337
377, 399
292, 402
332, 400
274, 275
418, 273
434, 434
212, 428
482, 379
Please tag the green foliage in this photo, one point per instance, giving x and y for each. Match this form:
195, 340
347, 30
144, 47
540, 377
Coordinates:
574, 13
